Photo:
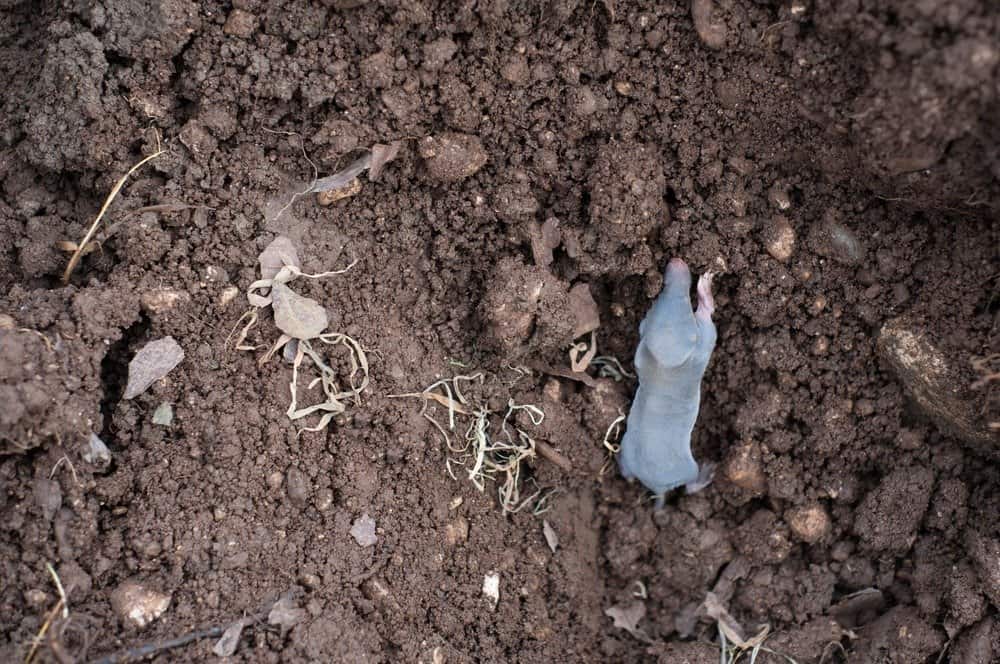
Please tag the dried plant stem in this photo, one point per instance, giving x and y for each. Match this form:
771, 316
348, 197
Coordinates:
82, 245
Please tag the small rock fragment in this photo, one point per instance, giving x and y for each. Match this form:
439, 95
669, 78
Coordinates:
297, 486
164, 414
137, 605
743, 468
810, 523
491, 589
331, 196
363, 531
779, 238
226, 646
710, 29
96, 452
584, 310
451, 156
162, 300
551, 538
456, 532
286, 614
153, 362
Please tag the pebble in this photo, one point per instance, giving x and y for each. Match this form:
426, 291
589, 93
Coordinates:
363, 531
809, 523
452, 156
297, 486
456, 532
779, 238
137, 605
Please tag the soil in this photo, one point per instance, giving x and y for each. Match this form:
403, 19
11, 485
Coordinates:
836, 163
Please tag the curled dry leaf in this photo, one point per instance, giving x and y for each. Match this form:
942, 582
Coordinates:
278, 254
153, 362
551, 538
731, 627
297, 316
628, 617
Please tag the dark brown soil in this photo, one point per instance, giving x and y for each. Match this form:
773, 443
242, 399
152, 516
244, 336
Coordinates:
837, 163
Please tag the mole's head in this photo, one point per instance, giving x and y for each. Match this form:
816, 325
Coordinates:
670, 331
677, 278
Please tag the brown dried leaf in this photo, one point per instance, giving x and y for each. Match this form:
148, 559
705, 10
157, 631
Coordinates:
278, 254
298, 317
152, 363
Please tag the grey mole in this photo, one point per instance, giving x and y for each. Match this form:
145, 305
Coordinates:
675, 344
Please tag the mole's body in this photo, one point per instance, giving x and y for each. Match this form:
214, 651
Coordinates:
675, 344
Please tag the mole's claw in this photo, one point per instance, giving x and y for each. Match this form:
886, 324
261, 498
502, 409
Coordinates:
706, 303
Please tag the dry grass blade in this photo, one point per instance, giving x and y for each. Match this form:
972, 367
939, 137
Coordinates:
83, 244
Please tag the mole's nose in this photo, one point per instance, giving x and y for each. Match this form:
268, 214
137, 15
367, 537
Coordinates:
677, 264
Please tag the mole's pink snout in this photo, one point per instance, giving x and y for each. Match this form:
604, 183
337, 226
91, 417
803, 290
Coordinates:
677, 266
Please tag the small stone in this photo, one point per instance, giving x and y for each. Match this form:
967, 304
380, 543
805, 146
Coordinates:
274, 480
162, 300
491, 589
363, 531
451, 156
7, 322
240, 24
809, 523
456, 532
36, 598
96, 452
297, 486
779, 238
227, 295
164, 414
778, 196
137, 605
743, 468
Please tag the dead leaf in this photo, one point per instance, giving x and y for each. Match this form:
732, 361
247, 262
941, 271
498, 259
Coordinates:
278, 254
298, 317
551, 538
152, 363
628, 617
731, 627
382, 155
226, 646
286, 614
